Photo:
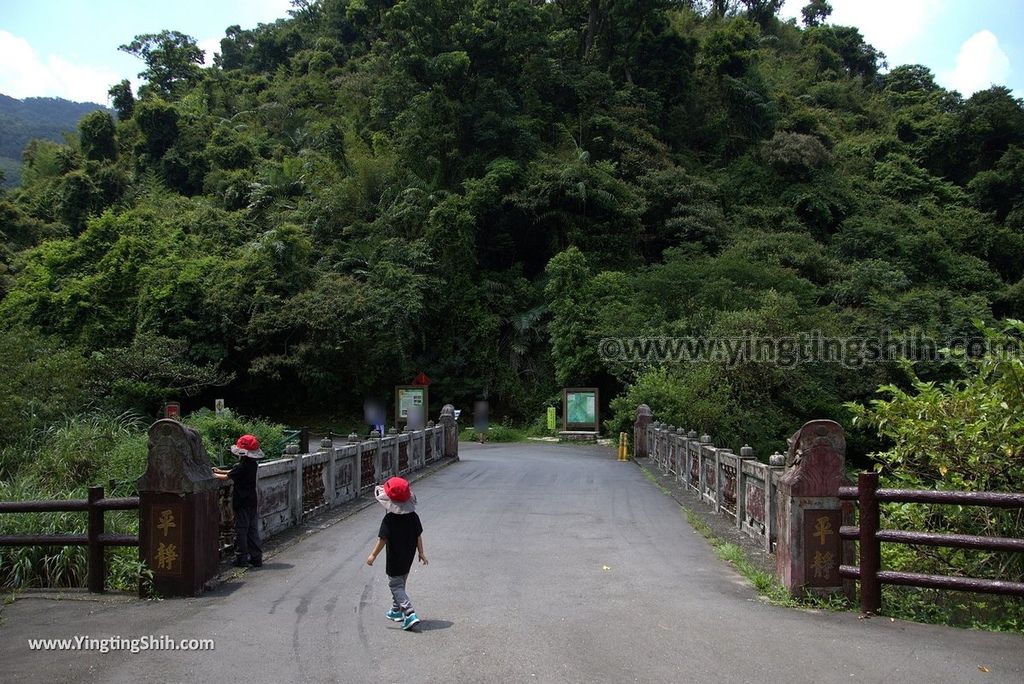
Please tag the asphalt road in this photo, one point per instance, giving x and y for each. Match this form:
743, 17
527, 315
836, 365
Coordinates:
548, 563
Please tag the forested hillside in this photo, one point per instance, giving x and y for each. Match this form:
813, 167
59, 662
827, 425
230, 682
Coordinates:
485, 190
48, 118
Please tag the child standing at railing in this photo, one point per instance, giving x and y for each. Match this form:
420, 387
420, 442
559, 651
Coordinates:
400, 531
248, 547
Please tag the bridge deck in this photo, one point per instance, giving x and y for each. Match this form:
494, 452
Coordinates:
548, 563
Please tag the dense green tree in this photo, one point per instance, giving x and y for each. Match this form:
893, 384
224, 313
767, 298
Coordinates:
172, 61
1001, 190
123, 100
816, 12
762, 12
569, 298
96, 136
157, 123
485, 190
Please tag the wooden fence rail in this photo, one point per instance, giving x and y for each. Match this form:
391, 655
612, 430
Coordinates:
95, 537
870, 537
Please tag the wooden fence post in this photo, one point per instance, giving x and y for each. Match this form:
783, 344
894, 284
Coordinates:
97, 564
870, 547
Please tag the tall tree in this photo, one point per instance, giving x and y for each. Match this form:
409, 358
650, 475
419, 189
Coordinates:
172, 60
96, 133
762, 11
816, 12
124, 101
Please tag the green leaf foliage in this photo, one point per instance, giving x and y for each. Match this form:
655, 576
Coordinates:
483, 191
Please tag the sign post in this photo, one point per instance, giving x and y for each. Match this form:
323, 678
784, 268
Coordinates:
172, 410
581, 420
411, 405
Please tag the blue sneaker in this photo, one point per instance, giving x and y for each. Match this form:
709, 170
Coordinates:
396, 615
410, 620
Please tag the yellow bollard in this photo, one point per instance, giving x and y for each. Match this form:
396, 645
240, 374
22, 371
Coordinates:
622, 446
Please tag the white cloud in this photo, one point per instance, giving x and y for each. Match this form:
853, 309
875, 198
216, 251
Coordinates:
889, 25
21, 73
979, 64
24, 74
210, 46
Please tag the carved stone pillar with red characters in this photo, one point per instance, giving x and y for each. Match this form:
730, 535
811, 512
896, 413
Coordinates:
179, 518
809, 551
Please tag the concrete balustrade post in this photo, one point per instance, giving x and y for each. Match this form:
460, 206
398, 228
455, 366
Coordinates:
292, 451
746, 454
680, 453
640, 425
702, 447
327, 444
666, 455
451, 431
357, 473
776, 464
719, 480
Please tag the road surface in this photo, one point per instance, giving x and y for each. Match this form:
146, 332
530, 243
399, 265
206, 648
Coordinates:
548, 563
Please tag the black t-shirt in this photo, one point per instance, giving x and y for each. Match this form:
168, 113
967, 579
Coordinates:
401, 532
243, 494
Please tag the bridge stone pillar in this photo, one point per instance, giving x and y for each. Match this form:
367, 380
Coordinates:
451, 431
179, 517
809, 512
643, 420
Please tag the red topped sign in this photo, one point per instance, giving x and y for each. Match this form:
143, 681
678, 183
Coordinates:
421, 379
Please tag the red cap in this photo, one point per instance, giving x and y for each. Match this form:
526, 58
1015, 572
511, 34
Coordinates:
248, 442
397, 489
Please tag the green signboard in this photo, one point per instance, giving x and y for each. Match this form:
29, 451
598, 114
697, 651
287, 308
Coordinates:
580, 409
551, 417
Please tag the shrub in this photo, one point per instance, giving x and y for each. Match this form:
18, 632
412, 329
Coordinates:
965, 434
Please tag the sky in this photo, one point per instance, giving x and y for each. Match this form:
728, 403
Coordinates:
68, 48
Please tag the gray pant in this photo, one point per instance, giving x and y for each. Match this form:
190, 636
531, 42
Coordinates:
247, 535
401, 599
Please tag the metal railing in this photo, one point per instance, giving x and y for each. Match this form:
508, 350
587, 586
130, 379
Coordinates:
95, 537
870, 537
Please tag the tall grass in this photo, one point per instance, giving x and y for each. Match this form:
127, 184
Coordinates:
62, 460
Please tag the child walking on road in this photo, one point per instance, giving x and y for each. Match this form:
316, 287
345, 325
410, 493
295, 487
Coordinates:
400, 532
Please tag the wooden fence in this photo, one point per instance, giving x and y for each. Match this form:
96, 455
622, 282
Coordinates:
95, 537
867, 533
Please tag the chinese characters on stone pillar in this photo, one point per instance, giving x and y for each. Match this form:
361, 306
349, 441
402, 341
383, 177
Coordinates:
821, 547
166, 539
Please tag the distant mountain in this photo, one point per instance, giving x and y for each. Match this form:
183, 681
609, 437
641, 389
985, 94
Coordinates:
35, 117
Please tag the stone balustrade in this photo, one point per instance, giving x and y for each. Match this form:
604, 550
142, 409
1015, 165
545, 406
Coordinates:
736, 485
298, 486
